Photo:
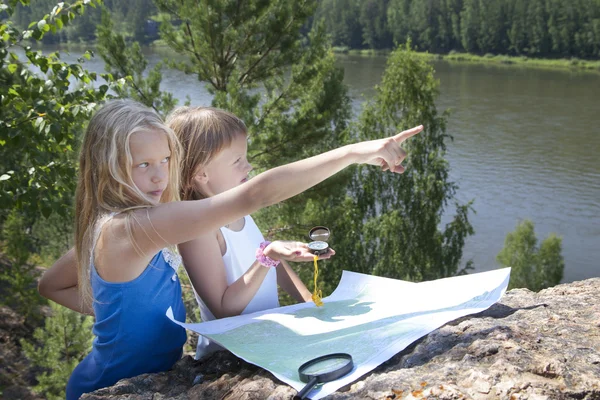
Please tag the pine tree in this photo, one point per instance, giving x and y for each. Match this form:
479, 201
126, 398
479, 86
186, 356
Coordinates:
341, 19
455, 8
470, 25
517, 33
284, 84
492, 27
57, 348
423, 20
373, 19
130, 64
538, 41
399, 22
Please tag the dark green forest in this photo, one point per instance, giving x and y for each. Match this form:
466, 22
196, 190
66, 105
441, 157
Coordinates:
540, 28
535, 28
132, 17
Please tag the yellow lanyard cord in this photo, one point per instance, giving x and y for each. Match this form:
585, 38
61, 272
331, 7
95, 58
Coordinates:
316, 296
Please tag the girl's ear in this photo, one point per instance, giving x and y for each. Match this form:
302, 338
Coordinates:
201, 177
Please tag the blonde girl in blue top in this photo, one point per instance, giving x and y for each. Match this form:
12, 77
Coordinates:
126, 220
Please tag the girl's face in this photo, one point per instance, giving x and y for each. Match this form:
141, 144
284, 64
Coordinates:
227, 169
150, 168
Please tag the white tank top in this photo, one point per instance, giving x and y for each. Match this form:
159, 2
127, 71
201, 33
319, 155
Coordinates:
238, 258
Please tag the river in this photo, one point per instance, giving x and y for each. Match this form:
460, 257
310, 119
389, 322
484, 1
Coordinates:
526, 146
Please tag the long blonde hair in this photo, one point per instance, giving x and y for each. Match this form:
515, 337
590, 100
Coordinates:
203, 132
105, 184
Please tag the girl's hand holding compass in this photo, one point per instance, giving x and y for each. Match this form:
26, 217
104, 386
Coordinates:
293, 251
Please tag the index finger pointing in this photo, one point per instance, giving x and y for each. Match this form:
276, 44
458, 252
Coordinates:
402, 136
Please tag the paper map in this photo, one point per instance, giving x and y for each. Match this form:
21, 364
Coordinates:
369, 317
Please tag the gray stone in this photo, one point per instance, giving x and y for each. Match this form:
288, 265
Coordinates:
532, 346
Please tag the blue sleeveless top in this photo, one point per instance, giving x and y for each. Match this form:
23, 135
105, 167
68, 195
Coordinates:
133, 334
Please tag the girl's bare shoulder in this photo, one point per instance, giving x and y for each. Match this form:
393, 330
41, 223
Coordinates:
116, 257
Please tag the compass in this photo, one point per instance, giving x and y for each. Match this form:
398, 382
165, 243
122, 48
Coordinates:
319, 236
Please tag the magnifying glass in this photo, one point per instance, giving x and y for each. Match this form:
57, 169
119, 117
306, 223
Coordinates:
323, 369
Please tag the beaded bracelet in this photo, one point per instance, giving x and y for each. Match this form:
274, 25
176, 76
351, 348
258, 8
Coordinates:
262, 258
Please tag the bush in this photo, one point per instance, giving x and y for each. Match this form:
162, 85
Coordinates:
533, 267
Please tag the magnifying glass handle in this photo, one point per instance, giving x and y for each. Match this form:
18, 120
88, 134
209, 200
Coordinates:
302, 394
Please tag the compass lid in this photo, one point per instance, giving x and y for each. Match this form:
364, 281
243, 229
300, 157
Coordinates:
319, 234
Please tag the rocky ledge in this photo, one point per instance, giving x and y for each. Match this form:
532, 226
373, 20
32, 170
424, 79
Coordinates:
530, 345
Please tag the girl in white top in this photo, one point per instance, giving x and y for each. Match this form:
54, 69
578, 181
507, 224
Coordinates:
226, 276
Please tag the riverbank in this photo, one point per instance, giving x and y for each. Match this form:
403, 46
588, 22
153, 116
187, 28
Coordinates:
160, 47
573, 63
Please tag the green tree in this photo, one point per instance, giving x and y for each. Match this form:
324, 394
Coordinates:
45, 104
492, 27
341, 17
537, 22
237, 50
130, 18
454, 8
57, 348
470, 25
130, 65
398, 20
373, 18
16, 243
517, 34
533, 267
409, 208
300, 108
388, 224
259, 65
444, 35
424, 20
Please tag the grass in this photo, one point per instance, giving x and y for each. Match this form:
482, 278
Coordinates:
572, 63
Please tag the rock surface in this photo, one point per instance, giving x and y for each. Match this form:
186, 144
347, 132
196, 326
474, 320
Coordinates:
530, 345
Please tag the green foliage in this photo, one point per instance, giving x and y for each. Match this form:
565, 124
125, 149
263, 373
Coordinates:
237, 50
342, 20
284, 84
130, 17
388, 224
57, 349
52, 237
402, 214
533, 267
130, 65
543, 28
45, 103
16, 244
373, 19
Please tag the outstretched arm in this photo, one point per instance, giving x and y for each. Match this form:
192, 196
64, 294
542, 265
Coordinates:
59, 284
180, 222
